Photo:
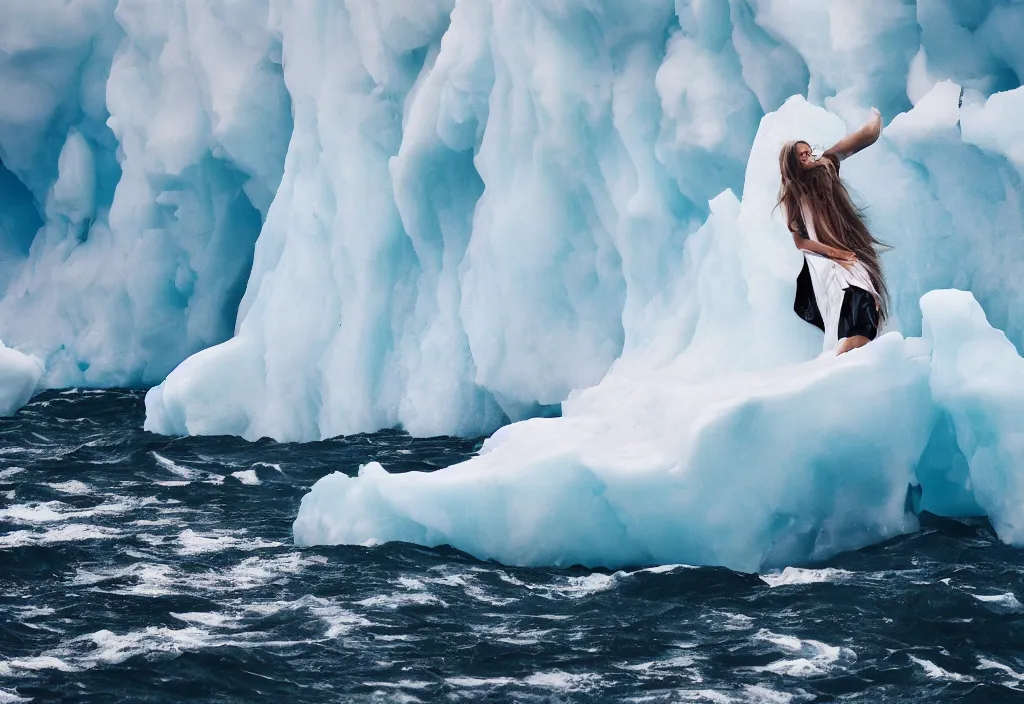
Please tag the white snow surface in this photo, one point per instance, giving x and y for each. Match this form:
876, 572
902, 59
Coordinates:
445, 215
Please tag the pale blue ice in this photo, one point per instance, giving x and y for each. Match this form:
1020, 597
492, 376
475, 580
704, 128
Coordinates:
307, 218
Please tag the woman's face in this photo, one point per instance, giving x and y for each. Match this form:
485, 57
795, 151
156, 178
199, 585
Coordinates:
803, 155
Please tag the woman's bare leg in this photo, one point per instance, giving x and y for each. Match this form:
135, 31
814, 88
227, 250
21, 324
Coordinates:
851, 343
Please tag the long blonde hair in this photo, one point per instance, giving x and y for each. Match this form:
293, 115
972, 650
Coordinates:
838, 222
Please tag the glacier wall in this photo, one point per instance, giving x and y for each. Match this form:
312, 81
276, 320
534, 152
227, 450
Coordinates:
480, 212
465, 209
131, 195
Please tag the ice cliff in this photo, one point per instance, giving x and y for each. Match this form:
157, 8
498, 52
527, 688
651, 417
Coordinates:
481, 211
335, 216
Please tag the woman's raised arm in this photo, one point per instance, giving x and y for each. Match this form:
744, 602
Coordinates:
856, 141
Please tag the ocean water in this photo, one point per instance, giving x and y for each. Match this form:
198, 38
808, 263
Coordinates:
138, 568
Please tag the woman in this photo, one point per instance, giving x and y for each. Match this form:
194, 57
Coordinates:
841, 288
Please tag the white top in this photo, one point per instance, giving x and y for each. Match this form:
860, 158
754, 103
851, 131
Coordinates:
857, 275
830, 281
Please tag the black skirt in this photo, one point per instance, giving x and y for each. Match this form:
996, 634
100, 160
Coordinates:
806, 305
857, 316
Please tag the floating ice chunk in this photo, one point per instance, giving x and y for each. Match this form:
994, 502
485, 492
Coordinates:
19, 376
933, 671
662, 481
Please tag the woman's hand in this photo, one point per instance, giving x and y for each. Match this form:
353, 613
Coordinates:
861, 139
844, 258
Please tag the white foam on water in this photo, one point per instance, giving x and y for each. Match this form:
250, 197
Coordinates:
34, 512
193, 543
151, 579
728, 621
10, 697
74, 532
73, 487
53, 511
706, 696
816, 658
26, 612
474, 682
11, 471
554, 680
563, 681
393, 602
578, 587
150, 539
148, 523
571, 587
1016, 678
525, 638
248, 477
9, 495
506, 634
389, 638
468, 582
42, 662
759, 694
403, 698
509, 579
210, 619
172, 483
798, 575
452, 580
1005, 602
175, 468
480, 594
269, 465
401, 684
659, 666
339, 620
256, 571
158, 579
934, 672
107, 648
410, 583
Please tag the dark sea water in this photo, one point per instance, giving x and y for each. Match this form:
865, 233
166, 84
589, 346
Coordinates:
137, 568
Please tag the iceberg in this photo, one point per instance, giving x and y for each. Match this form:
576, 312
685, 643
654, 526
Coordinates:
727, 439
535, 218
